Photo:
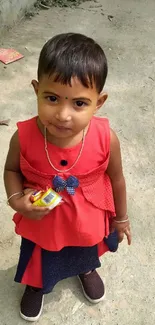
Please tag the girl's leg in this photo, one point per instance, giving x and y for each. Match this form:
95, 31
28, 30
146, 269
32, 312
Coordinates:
29, 273
92, 286
43, 269
31, 304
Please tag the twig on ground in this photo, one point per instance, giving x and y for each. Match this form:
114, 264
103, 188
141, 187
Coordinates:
4, 122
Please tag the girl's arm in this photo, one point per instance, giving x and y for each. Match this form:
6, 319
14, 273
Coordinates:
115, 173
13, 180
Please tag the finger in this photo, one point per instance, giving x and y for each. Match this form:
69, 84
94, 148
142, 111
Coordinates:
28, 191
40, 209
112, 228
42, 214
120, 237
128, 235
38, 215
27, 196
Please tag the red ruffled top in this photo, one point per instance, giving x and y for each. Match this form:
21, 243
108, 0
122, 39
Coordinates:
83, 220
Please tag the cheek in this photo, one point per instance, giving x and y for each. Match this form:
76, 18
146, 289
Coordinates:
88, 113
44, 111
82, 118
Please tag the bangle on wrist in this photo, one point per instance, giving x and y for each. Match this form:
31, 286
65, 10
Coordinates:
122, 221
14, 194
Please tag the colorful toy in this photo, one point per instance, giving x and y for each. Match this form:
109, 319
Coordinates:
46, 199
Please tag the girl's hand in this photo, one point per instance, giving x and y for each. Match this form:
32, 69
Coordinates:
122, 228
24, 206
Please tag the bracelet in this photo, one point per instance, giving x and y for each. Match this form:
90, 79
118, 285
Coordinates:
14, 194
121, 221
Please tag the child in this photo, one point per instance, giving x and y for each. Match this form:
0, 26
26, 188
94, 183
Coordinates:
67, 141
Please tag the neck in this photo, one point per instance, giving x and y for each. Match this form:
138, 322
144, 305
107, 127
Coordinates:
64, 142
61, 142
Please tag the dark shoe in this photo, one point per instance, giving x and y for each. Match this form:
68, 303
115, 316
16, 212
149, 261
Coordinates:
93, 286
31, 304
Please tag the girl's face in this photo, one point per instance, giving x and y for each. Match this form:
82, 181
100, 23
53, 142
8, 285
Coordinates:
66, 110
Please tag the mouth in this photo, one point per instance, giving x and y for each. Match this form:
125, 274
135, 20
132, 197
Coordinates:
62, 128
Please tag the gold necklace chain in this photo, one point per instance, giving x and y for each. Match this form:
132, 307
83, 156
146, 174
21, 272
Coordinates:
77, 159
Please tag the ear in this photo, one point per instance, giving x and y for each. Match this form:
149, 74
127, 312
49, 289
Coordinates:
35, 85
101, 100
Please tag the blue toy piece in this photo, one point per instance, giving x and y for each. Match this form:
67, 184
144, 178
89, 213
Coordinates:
112, 241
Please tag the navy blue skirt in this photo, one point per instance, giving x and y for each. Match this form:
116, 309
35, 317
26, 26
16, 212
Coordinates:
56, 266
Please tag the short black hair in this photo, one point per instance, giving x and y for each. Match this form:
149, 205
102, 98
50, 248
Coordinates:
74, 55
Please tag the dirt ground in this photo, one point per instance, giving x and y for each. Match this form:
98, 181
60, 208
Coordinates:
128, 40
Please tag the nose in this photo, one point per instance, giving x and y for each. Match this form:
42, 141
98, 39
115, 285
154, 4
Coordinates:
63, 115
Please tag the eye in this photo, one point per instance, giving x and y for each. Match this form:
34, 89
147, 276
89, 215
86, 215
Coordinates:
80, 103
52, 99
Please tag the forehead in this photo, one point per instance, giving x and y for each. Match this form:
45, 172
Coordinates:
75, 89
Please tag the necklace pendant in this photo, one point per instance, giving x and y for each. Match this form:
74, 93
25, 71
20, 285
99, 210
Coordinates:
63, 162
